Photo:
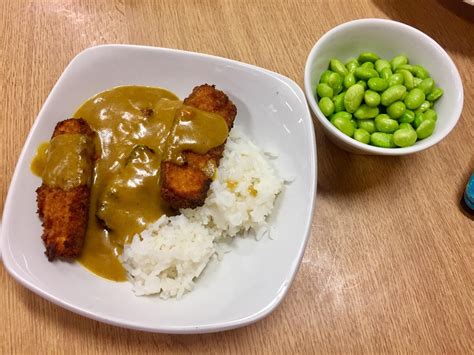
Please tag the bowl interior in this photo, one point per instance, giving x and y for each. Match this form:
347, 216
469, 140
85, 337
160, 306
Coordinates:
388, 39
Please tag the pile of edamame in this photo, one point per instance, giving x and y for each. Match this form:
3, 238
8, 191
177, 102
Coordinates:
384, 103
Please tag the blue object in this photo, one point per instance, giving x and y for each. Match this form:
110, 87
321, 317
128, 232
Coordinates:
469, 193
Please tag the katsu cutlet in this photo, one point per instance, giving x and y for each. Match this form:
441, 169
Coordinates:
186, 185
64, 212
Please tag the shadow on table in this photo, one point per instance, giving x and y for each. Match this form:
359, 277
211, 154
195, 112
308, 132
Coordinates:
341, 172
443, 20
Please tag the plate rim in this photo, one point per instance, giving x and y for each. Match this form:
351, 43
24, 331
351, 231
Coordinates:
190, 329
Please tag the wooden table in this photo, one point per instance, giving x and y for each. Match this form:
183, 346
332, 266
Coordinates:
389, 266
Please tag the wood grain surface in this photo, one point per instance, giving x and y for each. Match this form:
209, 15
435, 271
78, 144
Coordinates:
389, 266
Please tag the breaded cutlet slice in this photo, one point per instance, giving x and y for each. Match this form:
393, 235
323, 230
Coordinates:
64, 213
186, 186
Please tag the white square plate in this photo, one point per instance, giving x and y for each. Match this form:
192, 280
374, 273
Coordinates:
254, 277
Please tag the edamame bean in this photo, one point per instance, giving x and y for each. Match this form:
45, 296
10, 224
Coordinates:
325, 76
364, 112
407, 117
354, 123
404, 137
418, 119
427, 85
362, 83
369, 65
335, 81
344, 125
407, 79
342, 114
406, 126
383, 123
368, 125
381, 64
417, 81
327, 106
406, 67
398, 60
423, 107
349, 80
368, 57
339, 102
392, 94
353, 98
420, 72
435, 94
362, 135
337, 66
396, 110
386, 73
395, 79
383, 140
430, 115
377, 84
371, 98
351, 65
324, 90
425, 129
365, 73
414, 98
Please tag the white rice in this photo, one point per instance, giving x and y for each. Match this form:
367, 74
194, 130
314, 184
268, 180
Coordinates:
167, 256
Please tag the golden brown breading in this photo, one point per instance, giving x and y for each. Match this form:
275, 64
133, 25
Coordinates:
64, 213
186, 186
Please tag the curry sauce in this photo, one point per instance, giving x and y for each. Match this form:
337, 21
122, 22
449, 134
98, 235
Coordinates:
137, 128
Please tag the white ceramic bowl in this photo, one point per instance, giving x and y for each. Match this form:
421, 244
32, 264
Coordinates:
386, 38
254, 277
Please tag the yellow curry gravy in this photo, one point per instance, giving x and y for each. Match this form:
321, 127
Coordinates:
137, 128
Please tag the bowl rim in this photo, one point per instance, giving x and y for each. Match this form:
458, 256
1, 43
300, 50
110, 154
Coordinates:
425, 144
